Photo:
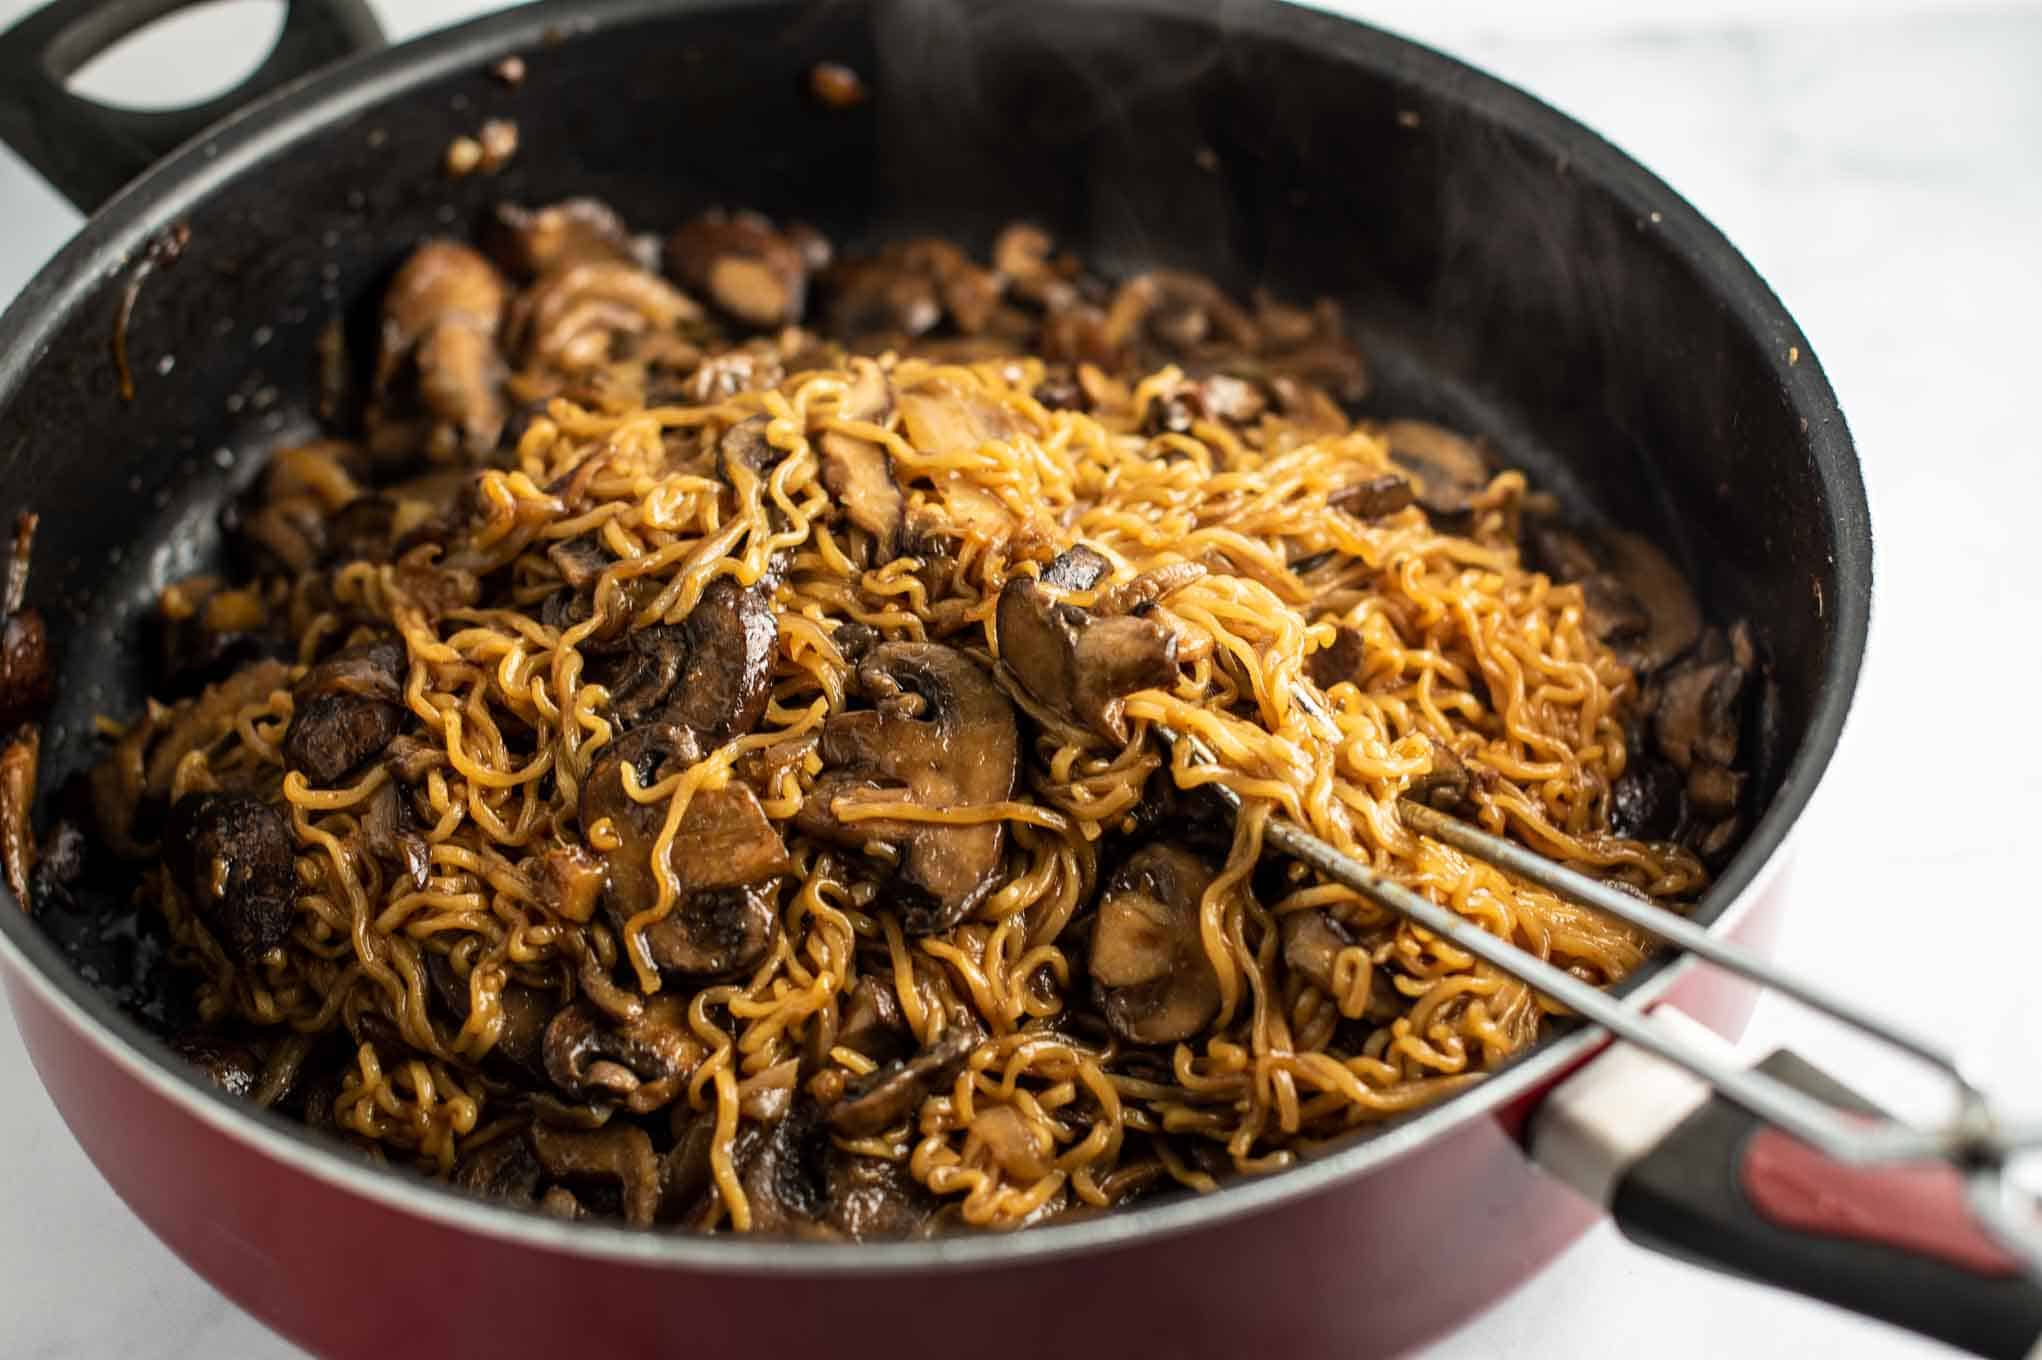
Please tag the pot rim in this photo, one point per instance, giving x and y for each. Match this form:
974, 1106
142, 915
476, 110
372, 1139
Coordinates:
120, 230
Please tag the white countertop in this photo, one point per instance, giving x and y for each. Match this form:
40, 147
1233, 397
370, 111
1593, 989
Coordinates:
1882, 165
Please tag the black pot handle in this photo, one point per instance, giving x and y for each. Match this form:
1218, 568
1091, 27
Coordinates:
87, 150
1685, 1172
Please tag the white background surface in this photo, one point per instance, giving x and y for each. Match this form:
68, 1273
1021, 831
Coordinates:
1882, 165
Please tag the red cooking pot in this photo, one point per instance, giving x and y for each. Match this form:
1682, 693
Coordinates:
1505, 271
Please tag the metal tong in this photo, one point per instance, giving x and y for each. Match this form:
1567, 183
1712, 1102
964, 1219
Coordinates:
1976, 1140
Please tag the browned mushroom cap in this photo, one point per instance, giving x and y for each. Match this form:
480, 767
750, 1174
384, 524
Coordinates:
729, 640
941, 735
1701, 706
619, 1155
529, 242
1645, 800
857, 471
1636, 599
1451, 469
723, 852
871, 1022
1448, 784
1078, 567
230, 856
232, 1066
908, 288
887, 1096
748, 269
1176, 313
526, 1012
1312, 941
1155, 983
347, 711
574, 317
1083, 664
505, 1170
1373, 497
579, 560
1343, 660
781, 1171
874, 1199
441, 316
642, 1061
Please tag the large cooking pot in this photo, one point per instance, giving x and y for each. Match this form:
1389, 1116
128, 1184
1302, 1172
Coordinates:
1506, 270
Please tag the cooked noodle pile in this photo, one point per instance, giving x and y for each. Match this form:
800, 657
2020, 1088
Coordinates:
779, 983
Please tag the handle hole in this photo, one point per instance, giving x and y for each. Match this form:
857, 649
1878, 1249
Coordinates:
182, 59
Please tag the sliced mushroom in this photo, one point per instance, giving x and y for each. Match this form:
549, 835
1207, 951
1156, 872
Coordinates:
750, 271
1645, 800
1701, 709
1078, 567
941, 735
580, 315
1452, 470
569, 881
728, 639
724, 853
874, 1199
1447, 784
906, 290
887, 1096
388, 835
205, 631
347, 711
579, 560
230, 856
1175, 313
1081, 663
24, 640
1342, 661
232, 1066
1156, 985
781, 1171
441, 316
19, 759
1312, 941
643, 1062
1373, 497
526, 1010
530, 242
619, 1155
857, 471
1637, 601
869, 1022
505, 1170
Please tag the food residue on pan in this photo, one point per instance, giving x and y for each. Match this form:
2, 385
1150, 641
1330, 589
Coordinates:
487, 152
162, 249
836, 85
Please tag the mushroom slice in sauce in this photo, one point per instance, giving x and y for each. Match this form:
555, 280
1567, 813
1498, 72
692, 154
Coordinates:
620, 1155
940, 735
1452, 470
887, 1096
642, 1061
231, 857
505, 1170
232, 1066
529, 242
724, 852
745, 266
1636, 599
1081, 663
441, 317
348, 710
857, 471
874, 1198
1312, 941
1155, 984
